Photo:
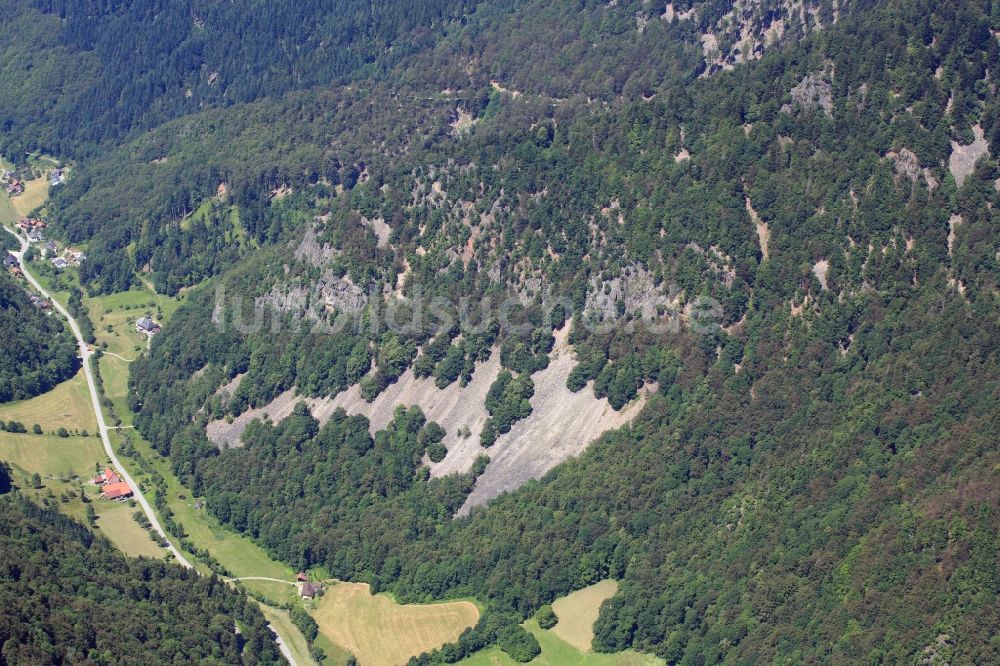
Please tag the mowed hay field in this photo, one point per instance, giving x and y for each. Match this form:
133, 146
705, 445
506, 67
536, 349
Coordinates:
49, 455
67, 406
380, 632
577, 613
35, 193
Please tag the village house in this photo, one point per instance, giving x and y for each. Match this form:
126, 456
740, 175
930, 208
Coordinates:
59, 263
39, 302
15, 187
112, 485
146, 325
28, 223
75, 255
57, 177
107, 476
116, 491
51, 248
10, 262
310, 590
33, 228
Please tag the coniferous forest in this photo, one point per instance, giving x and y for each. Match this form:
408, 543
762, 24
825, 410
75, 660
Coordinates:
813, 478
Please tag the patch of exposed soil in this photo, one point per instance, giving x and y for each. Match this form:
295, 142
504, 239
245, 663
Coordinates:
820, 270
963, 158
381, 228
763, 233
954, 222
462, 122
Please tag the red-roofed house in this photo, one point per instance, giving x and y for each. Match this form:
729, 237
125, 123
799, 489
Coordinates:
119, 490
107, 476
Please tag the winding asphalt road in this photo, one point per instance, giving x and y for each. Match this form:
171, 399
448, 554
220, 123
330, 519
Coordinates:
102, 426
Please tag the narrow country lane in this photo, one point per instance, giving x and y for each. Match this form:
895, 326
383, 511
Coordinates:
103, 427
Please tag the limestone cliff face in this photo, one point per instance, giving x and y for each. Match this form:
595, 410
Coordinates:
316, 299
731, 33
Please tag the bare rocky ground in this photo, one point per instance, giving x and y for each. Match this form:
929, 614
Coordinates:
562, 423
763, 233
963, 158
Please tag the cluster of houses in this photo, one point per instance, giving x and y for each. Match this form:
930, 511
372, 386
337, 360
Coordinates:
145, 324
11, 182
33, 228
70, 257
15, 185
112, 485
11, 263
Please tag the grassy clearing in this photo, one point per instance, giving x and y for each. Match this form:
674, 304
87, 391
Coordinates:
280, 593
69, 277
380, 632
8, 214
66, 406
557, 652
115, 521
114, 318
577, 613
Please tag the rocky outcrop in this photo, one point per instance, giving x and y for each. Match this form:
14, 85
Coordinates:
751, 27
814, 92
562, 423
634, 287
311, 250
962, 161
315, 300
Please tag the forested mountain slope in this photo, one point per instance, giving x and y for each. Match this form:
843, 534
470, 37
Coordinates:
814, 478
128, 66
70, 597
814, 484
296, 134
